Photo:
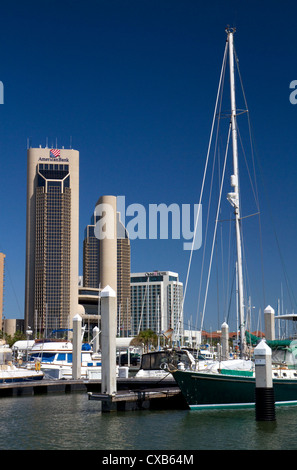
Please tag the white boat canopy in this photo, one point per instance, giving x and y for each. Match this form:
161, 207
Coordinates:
23, 345
289, 316
123, 342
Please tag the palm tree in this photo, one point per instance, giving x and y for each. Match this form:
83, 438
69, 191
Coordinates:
146, 337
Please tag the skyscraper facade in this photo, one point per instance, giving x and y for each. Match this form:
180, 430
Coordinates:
156, 302
91, 269
52, 242
123, 279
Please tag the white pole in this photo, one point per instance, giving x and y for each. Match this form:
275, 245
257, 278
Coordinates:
96, 343
269, 323
108, 340
77, 343
264, 392
225, 341
235, 195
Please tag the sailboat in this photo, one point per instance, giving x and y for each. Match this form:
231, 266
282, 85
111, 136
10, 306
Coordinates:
231, 384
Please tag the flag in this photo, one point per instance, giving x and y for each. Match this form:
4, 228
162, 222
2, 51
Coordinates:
168, 333
54, 153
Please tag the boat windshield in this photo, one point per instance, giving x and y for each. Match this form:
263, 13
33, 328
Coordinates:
51, 357
159, 359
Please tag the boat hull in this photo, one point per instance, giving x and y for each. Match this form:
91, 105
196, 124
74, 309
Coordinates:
24, 377
216, 391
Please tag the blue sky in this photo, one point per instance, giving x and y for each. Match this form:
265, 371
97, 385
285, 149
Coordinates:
132, 84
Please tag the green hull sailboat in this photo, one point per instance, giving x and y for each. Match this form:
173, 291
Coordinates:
231, 384
230, 389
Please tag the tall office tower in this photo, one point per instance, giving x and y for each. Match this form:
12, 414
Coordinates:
123, 279
91, 268
51, 296
156, 302
2, 257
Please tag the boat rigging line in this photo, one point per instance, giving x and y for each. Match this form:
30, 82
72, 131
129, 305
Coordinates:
215, 230
202, 189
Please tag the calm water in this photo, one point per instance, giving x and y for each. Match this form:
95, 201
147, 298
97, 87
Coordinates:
67, 422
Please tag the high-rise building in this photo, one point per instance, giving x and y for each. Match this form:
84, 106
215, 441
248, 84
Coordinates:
2, 257
52, 244
92, 266
156, 302
123, 279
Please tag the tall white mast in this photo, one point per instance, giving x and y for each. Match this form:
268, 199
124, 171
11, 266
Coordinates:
234, 196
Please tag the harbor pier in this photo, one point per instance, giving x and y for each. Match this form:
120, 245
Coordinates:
132, 393
140, 399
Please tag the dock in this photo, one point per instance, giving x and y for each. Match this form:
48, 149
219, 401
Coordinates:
141, 399
132, 393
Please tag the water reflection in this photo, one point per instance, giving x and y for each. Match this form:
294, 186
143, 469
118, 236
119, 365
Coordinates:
68, 422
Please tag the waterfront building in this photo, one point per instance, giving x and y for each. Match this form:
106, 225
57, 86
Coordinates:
52, 238
95, 258
2, 258
192, 338
156, 302
11, 325
123, 279
91, 267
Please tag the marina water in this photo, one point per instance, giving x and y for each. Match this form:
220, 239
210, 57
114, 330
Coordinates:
72, 422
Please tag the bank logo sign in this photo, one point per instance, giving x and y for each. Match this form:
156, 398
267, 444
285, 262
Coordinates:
54, 153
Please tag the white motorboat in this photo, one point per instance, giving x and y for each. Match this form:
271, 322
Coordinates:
11, 373
54, 358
